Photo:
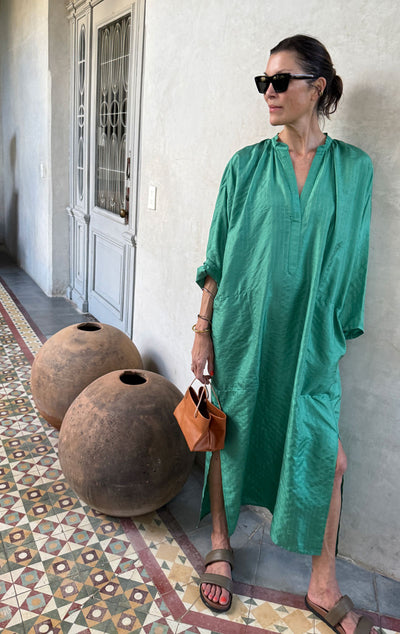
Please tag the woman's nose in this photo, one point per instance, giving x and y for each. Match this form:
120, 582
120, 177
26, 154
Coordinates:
270, 91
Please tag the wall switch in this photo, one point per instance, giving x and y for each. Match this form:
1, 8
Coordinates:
42, 169
151, 204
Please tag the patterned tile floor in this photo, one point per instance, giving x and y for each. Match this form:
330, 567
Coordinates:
67, 568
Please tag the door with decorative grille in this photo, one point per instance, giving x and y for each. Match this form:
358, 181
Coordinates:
113, 162
107, 38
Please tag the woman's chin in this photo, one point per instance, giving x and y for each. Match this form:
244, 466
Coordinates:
275, 119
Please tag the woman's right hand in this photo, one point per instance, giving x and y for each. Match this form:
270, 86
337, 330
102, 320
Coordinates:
202, 353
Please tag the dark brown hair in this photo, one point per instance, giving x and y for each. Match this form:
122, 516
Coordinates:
315, 60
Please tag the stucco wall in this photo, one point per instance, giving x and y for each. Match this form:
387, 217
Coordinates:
2, 214
199, 106
59, 97
24, 55
34, 121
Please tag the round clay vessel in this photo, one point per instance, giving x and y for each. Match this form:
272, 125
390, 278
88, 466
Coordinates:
72, 359
121, 448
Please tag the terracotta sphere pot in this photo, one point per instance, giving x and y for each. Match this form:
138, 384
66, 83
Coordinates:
72, 359
121, 448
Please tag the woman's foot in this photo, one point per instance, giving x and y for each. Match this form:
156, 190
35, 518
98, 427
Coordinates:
327, 600
218, 562
216, 593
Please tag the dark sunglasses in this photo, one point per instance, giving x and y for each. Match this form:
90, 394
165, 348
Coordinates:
280, 81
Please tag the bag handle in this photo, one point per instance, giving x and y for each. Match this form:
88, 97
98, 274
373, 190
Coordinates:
200, 396
204, 389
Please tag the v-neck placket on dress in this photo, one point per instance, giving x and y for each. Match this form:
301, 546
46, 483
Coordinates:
298, 201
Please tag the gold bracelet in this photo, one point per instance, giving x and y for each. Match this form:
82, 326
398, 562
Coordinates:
200, 332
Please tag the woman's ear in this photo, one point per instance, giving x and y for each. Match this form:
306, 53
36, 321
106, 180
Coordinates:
320, 85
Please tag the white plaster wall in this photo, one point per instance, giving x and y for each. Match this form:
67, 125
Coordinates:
199, 106
24, 55
59, 96
34, 122
2, 214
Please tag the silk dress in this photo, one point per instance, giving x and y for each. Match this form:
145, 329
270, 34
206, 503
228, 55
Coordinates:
291, 274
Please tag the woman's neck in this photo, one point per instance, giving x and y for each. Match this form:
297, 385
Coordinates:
302, 140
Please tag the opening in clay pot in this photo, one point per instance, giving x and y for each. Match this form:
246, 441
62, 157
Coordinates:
132, 378
89, 327
75, 357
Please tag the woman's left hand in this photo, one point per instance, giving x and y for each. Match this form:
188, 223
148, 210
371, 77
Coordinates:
202, 354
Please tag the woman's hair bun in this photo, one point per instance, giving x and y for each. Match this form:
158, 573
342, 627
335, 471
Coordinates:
331, 96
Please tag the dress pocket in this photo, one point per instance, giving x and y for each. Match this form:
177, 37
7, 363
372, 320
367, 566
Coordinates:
318, 415
236, 347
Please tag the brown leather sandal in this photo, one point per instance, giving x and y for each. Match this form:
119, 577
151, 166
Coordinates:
221, 554
334, 616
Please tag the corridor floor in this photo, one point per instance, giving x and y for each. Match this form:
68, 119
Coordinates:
67, 568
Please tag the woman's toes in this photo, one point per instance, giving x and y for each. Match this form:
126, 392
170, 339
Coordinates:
216, 594
222, 596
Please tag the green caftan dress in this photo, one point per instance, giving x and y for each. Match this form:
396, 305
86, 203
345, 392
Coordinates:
291, 273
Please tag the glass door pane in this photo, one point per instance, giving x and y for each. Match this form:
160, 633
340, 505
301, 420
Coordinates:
81, 114
111, 114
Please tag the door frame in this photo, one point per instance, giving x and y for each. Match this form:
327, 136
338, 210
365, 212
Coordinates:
81, 12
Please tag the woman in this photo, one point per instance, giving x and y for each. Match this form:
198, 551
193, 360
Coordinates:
284, 284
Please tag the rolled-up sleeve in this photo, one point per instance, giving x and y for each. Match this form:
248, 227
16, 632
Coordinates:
352, 311
213, 265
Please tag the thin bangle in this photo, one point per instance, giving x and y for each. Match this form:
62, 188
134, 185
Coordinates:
200, 332
205, 318
208, 291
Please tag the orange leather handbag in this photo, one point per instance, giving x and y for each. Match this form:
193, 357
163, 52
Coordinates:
202, 423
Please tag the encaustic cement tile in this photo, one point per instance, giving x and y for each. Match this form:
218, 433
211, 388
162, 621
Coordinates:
183, 578
10, 618
151, 528
177, 581
31, 340
281, 618
67, 568
168, 626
